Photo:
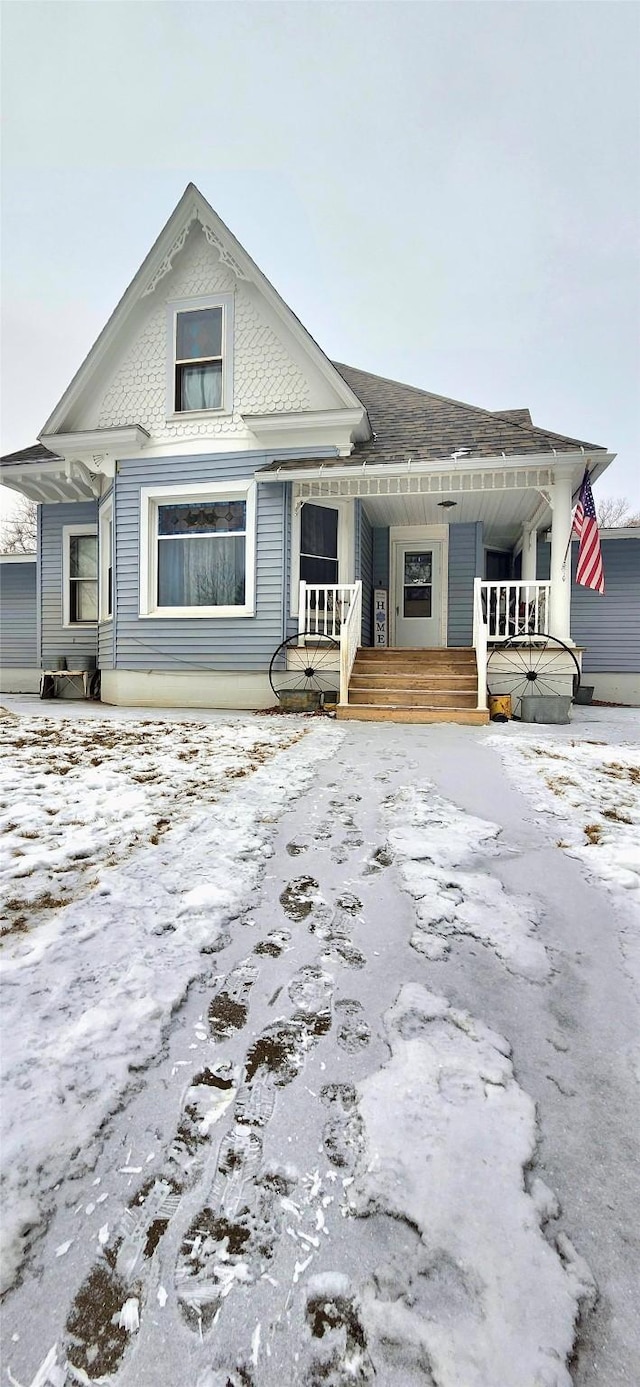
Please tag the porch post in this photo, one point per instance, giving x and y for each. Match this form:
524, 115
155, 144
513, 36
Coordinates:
529, 553
560, 596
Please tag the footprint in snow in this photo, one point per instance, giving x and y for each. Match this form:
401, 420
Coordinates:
343, 1132
339, 1352
298, 897
231, 1241
274, 944
230, 1007
354, 1031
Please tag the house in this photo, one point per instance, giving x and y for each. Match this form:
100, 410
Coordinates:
210, 484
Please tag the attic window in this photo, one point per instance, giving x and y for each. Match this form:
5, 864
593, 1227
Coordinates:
200, 355
199, 359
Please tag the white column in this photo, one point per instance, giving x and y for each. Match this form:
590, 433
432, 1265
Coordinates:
529, 553
560, 598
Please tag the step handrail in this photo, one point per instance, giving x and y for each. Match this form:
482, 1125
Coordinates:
350, 639
480, 642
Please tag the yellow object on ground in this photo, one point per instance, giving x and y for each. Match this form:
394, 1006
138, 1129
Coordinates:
500, 705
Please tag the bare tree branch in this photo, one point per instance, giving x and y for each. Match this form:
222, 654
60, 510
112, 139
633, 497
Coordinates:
614, 513
18, 531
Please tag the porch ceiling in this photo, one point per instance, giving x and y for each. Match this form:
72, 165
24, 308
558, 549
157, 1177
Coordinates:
503, 514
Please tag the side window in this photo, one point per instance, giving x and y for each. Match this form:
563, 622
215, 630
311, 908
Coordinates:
318, 544
82, 579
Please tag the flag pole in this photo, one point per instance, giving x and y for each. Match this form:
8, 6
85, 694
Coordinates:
566, 552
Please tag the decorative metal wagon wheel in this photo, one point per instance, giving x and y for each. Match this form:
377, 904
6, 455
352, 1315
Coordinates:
538, 664
302, 665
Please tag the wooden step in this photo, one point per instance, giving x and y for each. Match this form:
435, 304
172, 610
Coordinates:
408, 698
396, 652
414, 678
442, 679
360, 712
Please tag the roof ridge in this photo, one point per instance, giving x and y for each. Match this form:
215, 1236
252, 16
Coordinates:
533, 430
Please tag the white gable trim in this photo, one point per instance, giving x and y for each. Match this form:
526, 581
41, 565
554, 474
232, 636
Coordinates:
194, 207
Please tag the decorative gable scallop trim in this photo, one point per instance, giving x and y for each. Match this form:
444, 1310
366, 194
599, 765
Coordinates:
214, 240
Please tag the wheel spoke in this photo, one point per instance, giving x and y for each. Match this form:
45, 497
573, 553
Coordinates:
330, 649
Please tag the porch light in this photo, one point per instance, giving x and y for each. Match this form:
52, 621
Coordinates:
447, 505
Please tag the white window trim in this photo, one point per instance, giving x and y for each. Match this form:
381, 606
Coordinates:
104, 519
175, 306
346, 542
67, 532
153, 496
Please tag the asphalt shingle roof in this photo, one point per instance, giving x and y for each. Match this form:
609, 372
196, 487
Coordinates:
36, 453
412, 423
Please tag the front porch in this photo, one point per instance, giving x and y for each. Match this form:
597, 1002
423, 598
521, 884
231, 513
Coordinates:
449, 561
513, 651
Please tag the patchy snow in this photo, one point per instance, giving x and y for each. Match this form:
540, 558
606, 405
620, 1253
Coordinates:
435, 844
79, 795
449, 1135
87, 994
592, 788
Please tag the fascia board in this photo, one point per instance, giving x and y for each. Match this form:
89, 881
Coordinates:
321, 418
191, 207
130, 437
562, 461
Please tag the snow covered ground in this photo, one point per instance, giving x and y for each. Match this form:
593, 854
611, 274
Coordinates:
591, 786
320, 1062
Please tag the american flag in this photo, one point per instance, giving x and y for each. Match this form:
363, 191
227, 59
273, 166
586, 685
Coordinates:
589, 572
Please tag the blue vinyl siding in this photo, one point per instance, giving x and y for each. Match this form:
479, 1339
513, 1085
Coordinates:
364, 550
181, 643
56, 638
380, 537
106, 629
18, 615
466, 557
608, 627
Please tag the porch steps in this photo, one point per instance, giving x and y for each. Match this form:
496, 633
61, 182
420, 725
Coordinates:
400, 685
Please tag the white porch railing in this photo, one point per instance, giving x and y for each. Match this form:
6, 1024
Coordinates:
503, 610
515, 609
323, 607
334, 609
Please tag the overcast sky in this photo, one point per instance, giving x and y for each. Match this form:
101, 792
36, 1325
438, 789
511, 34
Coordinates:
445, 193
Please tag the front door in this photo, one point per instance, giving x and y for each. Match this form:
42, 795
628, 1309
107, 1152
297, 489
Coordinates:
418, 578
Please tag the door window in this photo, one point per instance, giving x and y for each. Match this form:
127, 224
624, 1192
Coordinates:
418, 583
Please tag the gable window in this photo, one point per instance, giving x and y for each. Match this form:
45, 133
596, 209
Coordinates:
198, 550
80, 575
199, 359
201, 343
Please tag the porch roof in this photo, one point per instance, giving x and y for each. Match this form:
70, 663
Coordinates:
414, 424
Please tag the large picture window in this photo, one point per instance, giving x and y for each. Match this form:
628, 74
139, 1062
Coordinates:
80, 575
198, 551
201, 554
